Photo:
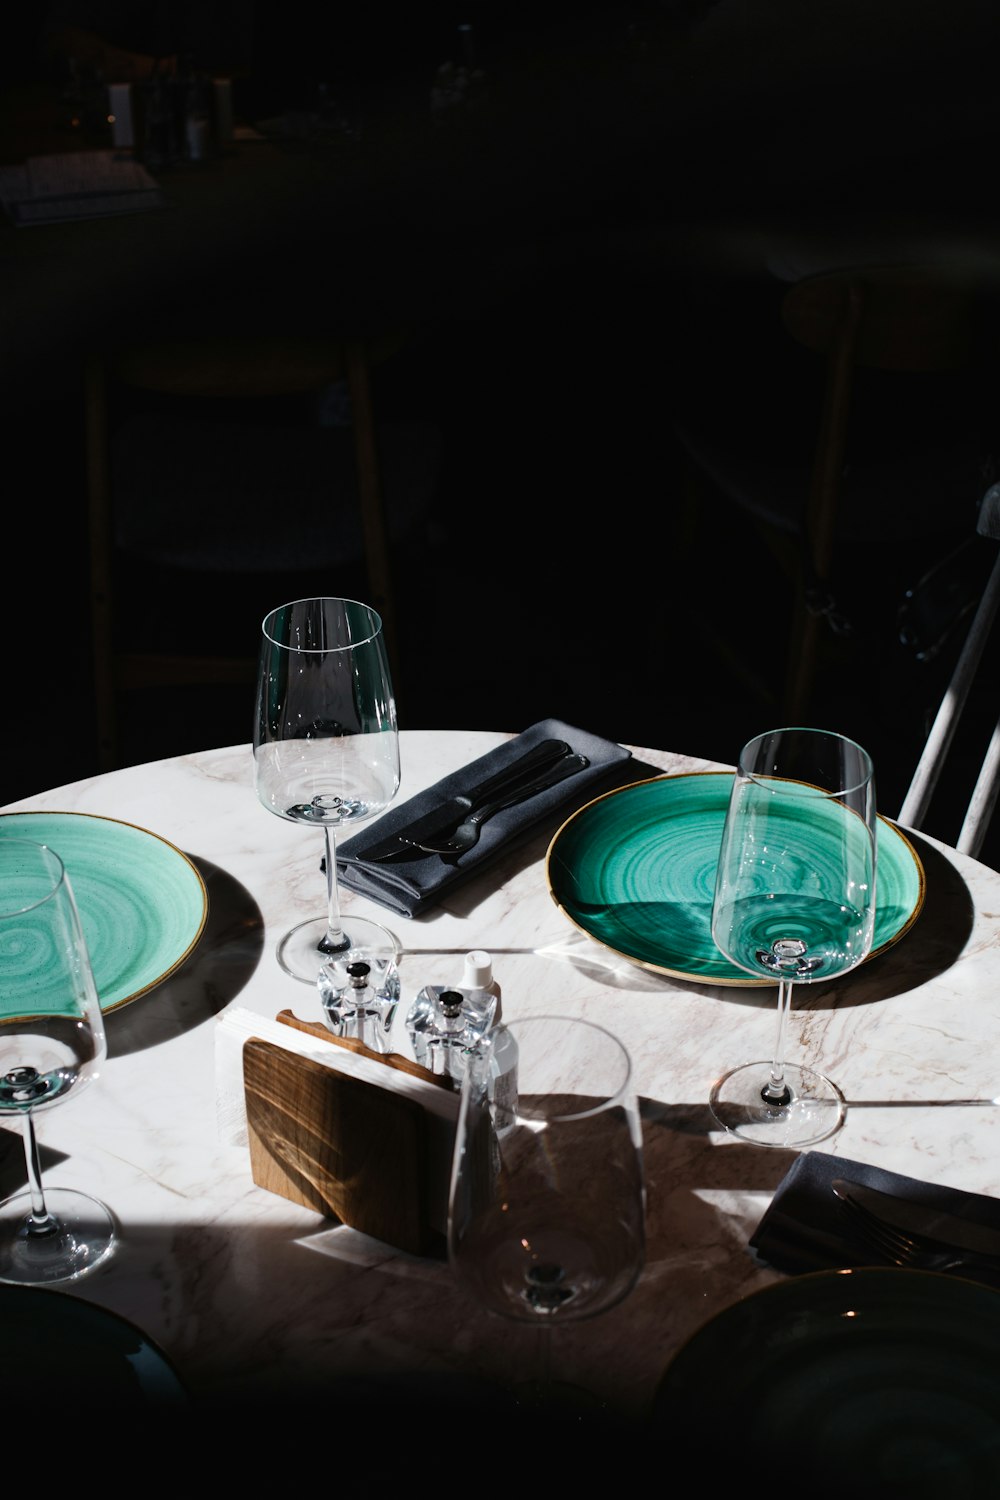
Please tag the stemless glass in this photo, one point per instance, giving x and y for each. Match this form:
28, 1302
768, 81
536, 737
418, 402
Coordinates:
546, 1220
795, 901
52, 1044
326, 750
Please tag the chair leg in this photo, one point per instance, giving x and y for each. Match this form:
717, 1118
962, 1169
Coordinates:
373, 522
942, 732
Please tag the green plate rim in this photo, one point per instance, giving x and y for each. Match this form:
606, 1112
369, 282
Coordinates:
51, 1305
45, 812
824, 1294
734, 981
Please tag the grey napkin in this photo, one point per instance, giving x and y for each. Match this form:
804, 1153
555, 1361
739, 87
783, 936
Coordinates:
409, 886
806, 1228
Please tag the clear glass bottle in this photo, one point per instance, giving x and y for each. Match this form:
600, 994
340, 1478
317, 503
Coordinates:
477, 974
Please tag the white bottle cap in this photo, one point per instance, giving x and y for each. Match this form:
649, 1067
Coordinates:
478, 972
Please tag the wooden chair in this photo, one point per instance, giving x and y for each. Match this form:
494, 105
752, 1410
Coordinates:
207, 483
982, 802
898, 318
794, 468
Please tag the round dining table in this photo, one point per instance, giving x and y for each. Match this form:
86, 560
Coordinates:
251, 1295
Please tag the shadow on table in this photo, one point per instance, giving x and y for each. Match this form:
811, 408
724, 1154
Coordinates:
931, 946
226, 956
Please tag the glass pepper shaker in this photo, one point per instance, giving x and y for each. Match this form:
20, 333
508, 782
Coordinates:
359, 992
447, 1024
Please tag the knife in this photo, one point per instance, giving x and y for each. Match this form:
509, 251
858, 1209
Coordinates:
447, 815
951, 1231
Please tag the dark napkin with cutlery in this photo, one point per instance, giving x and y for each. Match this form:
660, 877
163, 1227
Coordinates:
409, 881
807, 1228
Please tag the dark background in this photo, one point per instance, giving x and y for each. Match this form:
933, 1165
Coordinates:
591, 260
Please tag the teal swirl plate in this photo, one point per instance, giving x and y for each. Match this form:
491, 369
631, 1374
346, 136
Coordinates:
870, 1382
635, 870
142, 902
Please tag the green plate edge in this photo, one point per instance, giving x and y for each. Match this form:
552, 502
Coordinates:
126, 1368
809, 1352
161, 884
623, 824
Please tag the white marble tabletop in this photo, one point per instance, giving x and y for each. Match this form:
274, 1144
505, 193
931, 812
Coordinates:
249, 1293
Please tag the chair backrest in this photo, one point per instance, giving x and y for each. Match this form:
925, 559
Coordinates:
983, 801
225, 368
897, 318
892, 318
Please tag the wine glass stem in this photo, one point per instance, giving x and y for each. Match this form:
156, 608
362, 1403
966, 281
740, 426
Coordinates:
39, 1221
334, 942
775, 1090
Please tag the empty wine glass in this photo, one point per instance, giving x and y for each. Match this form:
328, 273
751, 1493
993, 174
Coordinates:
795, 901
546, 1219
326, 750
52, 1044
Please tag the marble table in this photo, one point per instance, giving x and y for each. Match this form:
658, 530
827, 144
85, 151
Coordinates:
250, 1294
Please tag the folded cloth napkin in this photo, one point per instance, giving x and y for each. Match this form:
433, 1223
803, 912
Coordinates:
807, 1228
411, 885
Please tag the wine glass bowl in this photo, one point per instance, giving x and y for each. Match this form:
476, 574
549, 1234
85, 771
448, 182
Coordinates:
52, 1045
326, 749
546, 1216
794, 901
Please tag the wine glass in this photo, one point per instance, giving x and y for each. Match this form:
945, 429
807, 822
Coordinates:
52, 1045
546, 1220
326, 750
795, 901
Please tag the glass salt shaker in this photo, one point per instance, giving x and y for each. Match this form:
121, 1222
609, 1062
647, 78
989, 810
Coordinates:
359, 992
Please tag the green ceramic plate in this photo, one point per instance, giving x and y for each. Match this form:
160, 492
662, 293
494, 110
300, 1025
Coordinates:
635, 869
67, 1353
877, 1381
142, 902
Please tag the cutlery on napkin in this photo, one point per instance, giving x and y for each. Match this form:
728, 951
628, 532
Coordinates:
410, 885
516, 779
807, 1227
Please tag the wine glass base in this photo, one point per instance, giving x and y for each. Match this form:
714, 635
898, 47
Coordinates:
85, 1238
816, 1111
300, 954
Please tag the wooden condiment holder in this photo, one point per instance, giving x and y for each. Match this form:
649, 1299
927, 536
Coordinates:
349, 1149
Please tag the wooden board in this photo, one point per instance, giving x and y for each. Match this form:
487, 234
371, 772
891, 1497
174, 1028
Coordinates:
339, 1145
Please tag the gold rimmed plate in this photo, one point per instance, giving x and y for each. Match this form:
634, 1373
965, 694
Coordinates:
874, 1381
635, 870
142, 901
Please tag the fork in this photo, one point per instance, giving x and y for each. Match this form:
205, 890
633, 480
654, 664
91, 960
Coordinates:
919, 1252
466, 835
